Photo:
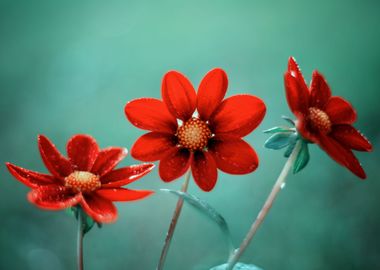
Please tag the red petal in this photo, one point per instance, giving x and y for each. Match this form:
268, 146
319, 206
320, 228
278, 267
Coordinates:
295, 72
98, 208
57, 164
297, 96
108, 159
320, 91
351, 138
126, 175
153, 146
204, 170
340, 111
238, 115
233, 155
82, 151
342, 155
211, 92
179, 95
30, 178
123, 194
150, 114
54, 197
174, 164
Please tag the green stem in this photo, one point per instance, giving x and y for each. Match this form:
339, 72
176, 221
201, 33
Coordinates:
265, 209
173, 224
80, 235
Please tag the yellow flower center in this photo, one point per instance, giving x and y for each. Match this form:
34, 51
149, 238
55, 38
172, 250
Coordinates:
194, 134
319, 120
82, 181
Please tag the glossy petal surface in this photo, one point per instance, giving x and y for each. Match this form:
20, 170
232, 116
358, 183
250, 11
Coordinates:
233, 155
174, 164
351, 138
126, 175
123, 194
342, 155
204, 170
99, 208
54, 197
153, 146
238, 115
82, 151
150, 114
179, 95
211, 92
30, 178
57, 164
340, 111
297, 96
108, 159
320, 91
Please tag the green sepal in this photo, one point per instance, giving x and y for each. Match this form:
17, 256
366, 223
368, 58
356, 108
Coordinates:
88, 222
302, 157
292, 143
278, 129
289, 120
278, 140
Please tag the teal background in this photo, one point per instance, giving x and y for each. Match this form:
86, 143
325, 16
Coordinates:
69, 67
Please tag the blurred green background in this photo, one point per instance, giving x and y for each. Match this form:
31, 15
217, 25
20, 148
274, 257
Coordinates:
69, 67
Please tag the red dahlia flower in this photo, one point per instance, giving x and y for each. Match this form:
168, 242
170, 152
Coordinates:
87, 178
205, 141
325, 119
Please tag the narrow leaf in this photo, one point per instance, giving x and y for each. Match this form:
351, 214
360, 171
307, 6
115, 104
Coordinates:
292, 143
206, 209
289, 120
238, 266
302, 158
278, 129
278, 140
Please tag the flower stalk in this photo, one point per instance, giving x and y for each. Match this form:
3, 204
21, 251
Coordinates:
267, 206
173, 223
80, 234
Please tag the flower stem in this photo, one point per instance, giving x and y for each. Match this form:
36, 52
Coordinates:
80, 238
265, 209
173, 223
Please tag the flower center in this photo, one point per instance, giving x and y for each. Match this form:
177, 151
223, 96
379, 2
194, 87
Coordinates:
194, 134
319, 120
82, 181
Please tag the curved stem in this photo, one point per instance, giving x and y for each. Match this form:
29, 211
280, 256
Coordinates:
80, 239
173, 223
265, 209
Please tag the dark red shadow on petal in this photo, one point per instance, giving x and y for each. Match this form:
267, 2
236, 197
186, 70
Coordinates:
320, 91
340, 111
54, 161
54, 197
233, 155
108, 159
174, 164
351, 138
204, 170
99, 208
82, 151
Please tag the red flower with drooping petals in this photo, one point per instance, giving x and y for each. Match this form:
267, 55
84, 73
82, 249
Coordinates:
205, 141
325, 119
86, 178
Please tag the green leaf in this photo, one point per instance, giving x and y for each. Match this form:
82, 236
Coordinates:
238, 266
292, 143
289, 120
206, 209
279, 129
88, 222
278, 140
302, 158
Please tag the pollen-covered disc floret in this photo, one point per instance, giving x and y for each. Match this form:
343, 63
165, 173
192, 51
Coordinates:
194, 134
319, 120
81, 181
